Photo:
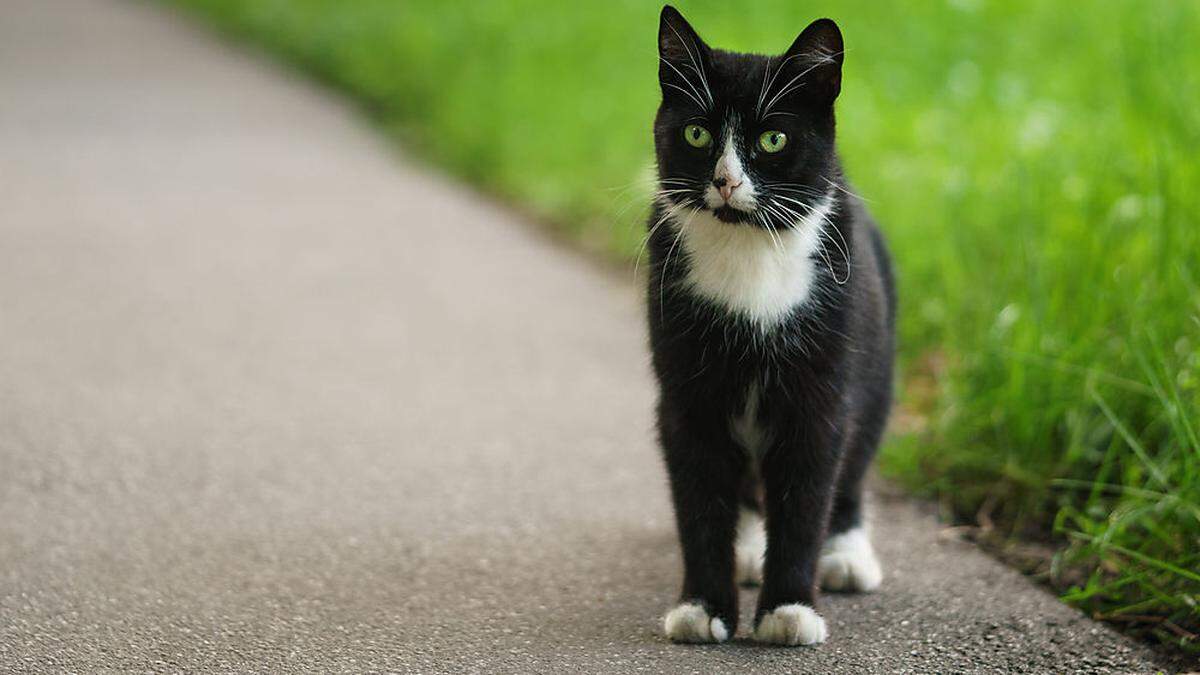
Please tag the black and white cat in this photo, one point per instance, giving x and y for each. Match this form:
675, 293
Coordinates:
771, 310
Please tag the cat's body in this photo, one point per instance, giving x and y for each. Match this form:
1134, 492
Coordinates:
771, 316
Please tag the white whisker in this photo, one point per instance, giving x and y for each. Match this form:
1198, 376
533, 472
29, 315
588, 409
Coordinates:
842, 248
762, 218
689, 94
787, 88
662, 275
822, 60
779, 69
695, 64
841, 187
654, 228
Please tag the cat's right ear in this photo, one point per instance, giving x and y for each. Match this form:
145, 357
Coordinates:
682, 59
817, 56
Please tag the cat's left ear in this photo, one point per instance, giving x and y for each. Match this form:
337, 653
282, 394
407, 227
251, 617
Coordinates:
683, 58
816, 56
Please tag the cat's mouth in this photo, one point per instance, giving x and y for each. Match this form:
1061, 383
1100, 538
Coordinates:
728, 214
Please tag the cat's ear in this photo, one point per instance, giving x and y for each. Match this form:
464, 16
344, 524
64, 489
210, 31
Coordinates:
816, 57
682, 59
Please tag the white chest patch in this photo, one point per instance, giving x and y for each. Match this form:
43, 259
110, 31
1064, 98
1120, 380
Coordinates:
747, 271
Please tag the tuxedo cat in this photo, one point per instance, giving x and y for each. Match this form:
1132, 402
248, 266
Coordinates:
771, 311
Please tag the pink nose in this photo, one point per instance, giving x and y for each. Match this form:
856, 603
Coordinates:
726, 189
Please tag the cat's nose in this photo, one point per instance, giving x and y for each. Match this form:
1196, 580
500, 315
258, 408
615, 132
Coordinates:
725, 187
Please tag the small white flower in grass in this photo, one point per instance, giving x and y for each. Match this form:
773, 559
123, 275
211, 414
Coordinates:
1127, 208
1039, 127
1006, 318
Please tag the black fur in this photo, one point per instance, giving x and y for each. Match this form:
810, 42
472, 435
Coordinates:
825, 371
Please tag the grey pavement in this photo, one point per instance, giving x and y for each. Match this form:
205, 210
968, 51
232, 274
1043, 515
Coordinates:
274, 399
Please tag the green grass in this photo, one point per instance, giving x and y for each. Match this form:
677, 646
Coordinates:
1034, 165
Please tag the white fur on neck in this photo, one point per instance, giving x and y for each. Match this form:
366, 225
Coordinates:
743, 269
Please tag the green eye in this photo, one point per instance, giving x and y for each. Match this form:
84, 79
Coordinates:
772, 141
697, 136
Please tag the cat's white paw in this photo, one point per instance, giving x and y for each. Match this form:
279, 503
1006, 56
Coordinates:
688, 622
751, 547
848, 563
791, 625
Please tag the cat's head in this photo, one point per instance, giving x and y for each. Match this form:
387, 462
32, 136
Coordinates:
749, 138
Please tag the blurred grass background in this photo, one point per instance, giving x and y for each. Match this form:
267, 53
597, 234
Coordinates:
1033, 164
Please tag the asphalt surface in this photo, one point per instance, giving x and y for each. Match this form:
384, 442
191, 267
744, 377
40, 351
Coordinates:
273, 399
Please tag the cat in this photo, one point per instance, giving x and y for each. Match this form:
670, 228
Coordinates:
771, 314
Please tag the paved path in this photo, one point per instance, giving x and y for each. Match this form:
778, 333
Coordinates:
272, 399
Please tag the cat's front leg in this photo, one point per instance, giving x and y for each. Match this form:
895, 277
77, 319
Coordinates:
705, 470
798, 476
